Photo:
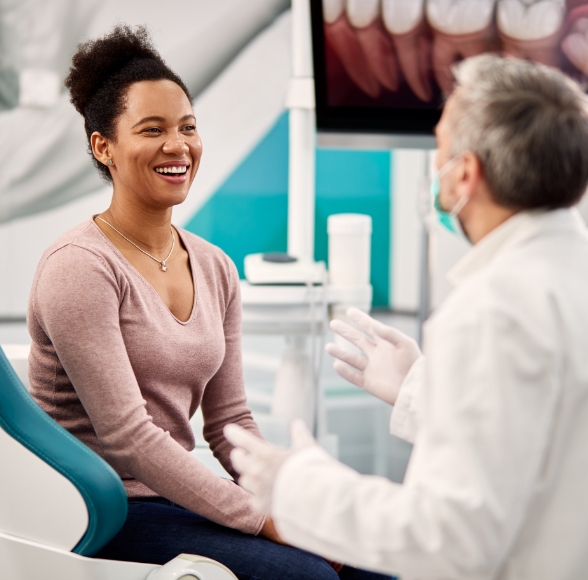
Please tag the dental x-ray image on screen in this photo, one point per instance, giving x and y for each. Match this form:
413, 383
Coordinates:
384, 65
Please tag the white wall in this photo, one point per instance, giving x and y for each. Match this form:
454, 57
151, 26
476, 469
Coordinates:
23, 241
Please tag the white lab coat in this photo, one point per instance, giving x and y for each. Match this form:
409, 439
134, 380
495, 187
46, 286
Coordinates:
497, 485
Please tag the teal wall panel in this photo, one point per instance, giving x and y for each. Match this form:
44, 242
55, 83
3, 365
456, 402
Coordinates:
248, 213
356, 182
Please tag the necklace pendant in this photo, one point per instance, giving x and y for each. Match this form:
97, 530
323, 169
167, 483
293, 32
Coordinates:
163, 266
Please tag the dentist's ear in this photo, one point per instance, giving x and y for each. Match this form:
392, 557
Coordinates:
469, 175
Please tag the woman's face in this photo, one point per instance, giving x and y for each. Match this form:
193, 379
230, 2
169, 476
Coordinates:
157, 150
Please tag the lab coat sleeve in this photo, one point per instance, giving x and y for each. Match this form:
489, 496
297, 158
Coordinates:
489, 398
404, 421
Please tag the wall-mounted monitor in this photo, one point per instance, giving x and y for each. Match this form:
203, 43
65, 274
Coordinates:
382, 66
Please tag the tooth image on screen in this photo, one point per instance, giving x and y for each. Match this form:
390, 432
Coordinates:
364, 16
575, 41
531, 28
342, 38
405, 23
385, 66
461, 28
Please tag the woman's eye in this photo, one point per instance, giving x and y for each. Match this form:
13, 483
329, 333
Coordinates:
189, 128
152, 130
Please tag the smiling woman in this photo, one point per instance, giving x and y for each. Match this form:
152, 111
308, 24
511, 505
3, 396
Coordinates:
136, 323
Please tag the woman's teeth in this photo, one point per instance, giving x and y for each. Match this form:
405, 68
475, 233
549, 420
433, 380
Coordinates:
174, 169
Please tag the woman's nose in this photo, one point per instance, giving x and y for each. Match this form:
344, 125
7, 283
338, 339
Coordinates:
176, 145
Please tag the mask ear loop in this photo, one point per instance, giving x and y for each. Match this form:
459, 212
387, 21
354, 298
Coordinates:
459, 206
448, 166
464, 199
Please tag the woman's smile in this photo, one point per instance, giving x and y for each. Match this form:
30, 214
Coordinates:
175, 172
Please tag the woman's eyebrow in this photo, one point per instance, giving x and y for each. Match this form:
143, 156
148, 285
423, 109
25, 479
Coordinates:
161, 119
146, 119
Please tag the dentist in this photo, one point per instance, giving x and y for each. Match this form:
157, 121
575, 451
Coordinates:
497, 407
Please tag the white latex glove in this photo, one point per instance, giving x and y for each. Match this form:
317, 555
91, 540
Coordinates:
388, 355
258, 462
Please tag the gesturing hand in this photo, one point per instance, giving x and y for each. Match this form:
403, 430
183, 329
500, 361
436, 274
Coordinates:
388, 355
258, 462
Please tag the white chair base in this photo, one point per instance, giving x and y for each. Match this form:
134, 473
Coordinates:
24, 560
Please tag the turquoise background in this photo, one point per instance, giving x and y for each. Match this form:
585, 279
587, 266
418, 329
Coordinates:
248, 213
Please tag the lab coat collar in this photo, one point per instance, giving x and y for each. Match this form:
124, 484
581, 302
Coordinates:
517, 229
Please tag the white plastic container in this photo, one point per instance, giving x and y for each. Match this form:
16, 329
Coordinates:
350, 236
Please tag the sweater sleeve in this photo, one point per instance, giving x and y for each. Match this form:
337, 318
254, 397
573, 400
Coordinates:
76, 300
224, 400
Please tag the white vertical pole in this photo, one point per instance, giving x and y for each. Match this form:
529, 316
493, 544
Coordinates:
409, 179
301, 178
424, 308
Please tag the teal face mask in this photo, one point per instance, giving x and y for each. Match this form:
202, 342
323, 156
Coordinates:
447, 219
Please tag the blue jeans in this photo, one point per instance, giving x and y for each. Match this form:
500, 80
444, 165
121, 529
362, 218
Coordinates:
157, 530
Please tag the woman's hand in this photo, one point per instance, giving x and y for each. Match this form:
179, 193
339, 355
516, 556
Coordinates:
269, 531
258, 463
336, 566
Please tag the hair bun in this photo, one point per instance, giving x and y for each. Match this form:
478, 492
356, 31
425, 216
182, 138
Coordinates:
98, 60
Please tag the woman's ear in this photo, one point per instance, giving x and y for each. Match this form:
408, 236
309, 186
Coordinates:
101, 148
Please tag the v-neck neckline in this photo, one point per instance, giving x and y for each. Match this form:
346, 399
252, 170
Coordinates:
145, 281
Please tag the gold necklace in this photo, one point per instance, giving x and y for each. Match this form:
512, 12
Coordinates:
162, 262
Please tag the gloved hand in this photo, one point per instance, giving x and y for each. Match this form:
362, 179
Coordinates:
258, 462
388, 355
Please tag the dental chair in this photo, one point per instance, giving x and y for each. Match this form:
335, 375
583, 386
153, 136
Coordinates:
60, 502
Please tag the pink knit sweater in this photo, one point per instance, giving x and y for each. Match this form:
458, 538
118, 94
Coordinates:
114, 367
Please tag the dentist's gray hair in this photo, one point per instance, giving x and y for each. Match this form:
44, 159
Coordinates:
528, 125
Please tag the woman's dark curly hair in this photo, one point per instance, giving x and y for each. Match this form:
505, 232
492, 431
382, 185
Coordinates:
101, 72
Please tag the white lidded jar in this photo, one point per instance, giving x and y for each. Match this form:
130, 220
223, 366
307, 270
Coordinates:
350, 237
